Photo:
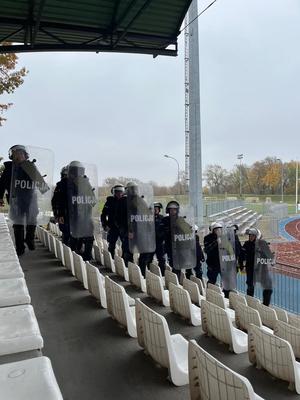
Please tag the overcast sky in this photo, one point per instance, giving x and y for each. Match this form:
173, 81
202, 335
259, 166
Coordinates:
123, 112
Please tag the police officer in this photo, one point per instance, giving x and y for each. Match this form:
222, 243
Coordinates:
256, 249
199, 258
159, 238
211, 249
56, 203
21, 180
77, 199
108, 217
172, 211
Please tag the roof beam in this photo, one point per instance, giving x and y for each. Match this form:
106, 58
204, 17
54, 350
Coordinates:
37, 21
10, 35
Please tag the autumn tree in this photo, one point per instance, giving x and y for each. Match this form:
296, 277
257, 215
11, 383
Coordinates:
10, 79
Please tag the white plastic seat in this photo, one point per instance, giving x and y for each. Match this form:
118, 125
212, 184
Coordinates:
169, 351
31, 379
13, 292
216, 322
136, 277
10, 270
119, 306
60, 251
193, 290
180, 303
154, 268
245, 315
19, 330
294, 320
96, 283
289, 333
98, 254
282, 315
268, 315
199, 282
217, 298
121, 269
80, 270
170, 277
155, 288
252, 301
108, 260
275, 355
52, 239
211, 380
235, 298
68, 256
215, 288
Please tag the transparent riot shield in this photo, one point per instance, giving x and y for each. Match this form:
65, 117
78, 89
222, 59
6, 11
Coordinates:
82, 199
263, 261
182, 226
140, 217
227, 257
31, 186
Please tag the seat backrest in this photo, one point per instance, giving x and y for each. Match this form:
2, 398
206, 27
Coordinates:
210, 379
252, 301
268, 315
282, 315
215, 288
139, 322
94, 279
199, 283
218, 323
154, 286
77, 266
154, 268
98, 254
156, 336
60, 251
235, 298
69, 263
289, 333
170, 277
119, 265
193, 290
135, 275
119, 299
245, 315
272, 353
108, 295
180, 301
108, 261
216, 298
294, 320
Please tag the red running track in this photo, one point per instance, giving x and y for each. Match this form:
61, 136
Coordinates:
288, 253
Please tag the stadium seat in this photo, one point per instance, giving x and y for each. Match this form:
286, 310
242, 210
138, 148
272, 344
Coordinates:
216, 322
31, 379
282, 315
10, 269
13, 292
294, 320
199, 283
275, 355
121, 269
80, 269
252, 301
193, 290
19, 330
245, 315
154, 285
211, 380
108, 260
169, 351
98, 254
136, 277
154, 268
119, 306
60, 251
289, 333
218, 299
180, 303
170, 277
235, 298
68, 256
96, 283
268, 315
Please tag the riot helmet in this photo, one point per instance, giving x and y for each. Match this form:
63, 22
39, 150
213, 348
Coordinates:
17, 148
132, 188
75, 169
173, 205
64, 172
118, 188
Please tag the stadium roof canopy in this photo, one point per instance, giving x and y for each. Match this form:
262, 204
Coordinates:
125, 26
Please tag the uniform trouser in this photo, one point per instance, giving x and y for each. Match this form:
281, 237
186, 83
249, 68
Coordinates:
159, 252
144, 261
88, 246
267, 293
126, 254
19, 232
65, 230
212, 275
76, 244
112, 237
198, 272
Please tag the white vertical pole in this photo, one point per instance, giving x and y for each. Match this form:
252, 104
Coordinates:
297, 180
195, 158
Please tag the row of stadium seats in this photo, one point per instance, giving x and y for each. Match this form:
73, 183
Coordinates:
33, 378
206, 308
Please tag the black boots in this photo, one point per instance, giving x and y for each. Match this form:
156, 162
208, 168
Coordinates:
29, 240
